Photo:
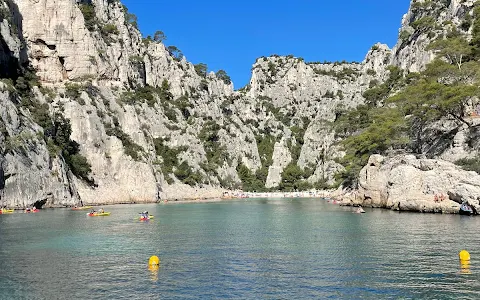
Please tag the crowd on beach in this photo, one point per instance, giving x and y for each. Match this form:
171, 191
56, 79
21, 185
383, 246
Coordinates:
306, 194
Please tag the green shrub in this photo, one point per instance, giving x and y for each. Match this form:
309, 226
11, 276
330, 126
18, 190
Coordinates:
49, 93
272, 69
131, 148
343, 74
57, 132
164, 92
378, 93
185, 174
222, 75
79, 166
201, 69
340, 94
292, 176
135, 59
159, 36
216, 154
88, 11
183, 105
5, 13
265, 146
424, 23
203, 85
130, 19
373, 83
250, 181
298, 132
329, 94
171, 114
109, 29
175, 52
404, 35
168, 154
140, 94
73, 91
469, 164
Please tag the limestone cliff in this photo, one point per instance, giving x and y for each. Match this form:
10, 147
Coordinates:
406, 183
425, 21
151, 125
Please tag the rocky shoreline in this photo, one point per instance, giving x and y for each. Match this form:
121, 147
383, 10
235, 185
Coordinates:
401, 182
407, 183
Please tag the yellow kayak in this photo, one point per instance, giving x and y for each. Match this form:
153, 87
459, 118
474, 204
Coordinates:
82, 207
6, 211
97, 214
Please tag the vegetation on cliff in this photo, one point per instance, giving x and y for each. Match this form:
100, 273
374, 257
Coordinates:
403, 112
56, 129
187, 126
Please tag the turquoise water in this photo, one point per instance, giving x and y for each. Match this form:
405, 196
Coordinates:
245, 249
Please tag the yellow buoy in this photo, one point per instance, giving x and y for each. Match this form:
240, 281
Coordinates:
154, 261
464, 255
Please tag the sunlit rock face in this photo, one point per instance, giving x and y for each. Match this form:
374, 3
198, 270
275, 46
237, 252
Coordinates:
153, 126
407, 183
409, 53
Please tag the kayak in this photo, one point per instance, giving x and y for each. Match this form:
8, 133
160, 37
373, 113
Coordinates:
147, 218
81, 207
97, 214
6, 211
28, 211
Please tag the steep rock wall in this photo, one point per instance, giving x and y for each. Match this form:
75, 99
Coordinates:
133, 106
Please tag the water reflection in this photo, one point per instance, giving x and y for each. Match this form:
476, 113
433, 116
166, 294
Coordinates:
255, 249
465, 269
465, 265
153, 272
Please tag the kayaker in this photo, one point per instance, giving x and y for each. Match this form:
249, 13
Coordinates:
101, 211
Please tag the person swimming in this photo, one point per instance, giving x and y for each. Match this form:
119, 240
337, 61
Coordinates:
359, 210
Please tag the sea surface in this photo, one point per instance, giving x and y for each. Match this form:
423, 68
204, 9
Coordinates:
238, 249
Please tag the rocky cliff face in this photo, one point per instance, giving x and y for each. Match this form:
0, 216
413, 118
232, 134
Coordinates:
425, 21
152, 126
406, 183
28, 175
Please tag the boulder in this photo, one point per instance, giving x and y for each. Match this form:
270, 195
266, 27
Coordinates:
406, 183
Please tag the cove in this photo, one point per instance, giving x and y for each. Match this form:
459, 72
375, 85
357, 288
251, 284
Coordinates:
296, 248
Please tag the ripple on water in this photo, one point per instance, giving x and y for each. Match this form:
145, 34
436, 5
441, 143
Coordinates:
255, 249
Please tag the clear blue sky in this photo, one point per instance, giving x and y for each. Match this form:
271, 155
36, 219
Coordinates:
232, 34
